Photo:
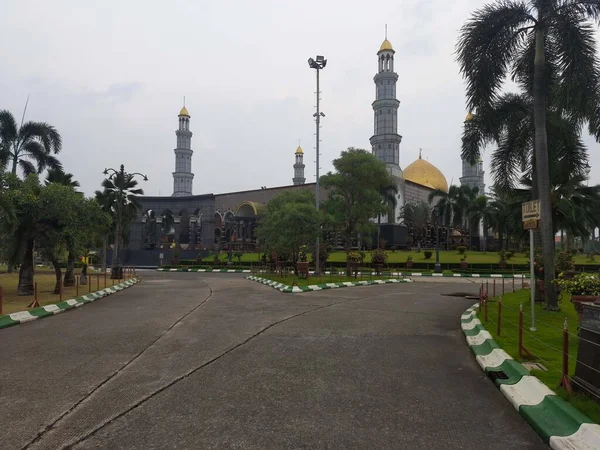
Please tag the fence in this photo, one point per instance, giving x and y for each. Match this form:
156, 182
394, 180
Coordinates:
555, 345
10, 302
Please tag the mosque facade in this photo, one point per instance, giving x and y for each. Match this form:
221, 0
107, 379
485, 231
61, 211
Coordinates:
203, 222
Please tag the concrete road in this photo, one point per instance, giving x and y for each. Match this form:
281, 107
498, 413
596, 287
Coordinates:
201, 361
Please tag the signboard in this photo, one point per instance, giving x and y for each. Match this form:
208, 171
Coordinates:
530, 224
530, 211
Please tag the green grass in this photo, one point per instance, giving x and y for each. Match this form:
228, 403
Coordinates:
545, 343
289, 280
399, 256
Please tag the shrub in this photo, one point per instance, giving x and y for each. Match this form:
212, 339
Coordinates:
409, 258
509, 255
461, 249
378, 256
302, 253
564, 261
238, 255
427, 254
355, 256
393, 248
580, 284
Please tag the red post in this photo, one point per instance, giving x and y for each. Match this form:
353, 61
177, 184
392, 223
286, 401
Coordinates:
486, 308
494, 288
487, 289
502, 285
0, 299
35, 302
522, 281
513, 279
565, 382
76, 285
499, 315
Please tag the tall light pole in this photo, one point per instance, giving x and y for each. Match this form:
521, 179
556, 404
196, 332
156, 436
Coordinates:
119, 179
317, 64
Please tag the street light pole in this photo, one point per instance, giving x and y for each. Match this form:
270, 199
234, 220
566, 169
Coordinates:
317, 64
122, 178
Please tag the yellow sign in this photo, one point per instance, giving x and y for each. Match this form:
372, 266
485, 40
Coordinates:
530, 224
530, 210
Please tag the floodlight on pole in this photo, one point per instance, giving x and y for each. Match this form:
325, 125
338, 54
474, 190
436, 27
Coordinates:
317, 64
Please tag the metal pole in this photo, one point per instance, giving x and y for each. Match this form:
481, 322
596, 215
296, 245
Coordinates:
532, 280
438, 267
318, 121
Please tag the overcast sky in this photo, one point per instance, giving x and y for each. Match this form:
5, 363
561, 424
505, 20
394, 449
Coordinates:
111, 77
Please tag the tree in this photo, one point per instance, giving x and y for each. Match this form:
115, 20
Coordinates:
354, 192
289, 222
549, 47
452, 206
58, 175
416, 215
30, 146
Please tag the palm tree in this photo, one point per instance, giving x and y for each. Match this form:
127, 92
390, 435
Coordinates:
549, 47
30, 146
389, 200
416, 215
58, 175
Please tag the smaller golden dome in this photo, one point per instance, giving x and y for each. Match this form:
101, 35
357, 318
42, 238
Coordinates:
386, 45
184, 112
469, 117
299, 151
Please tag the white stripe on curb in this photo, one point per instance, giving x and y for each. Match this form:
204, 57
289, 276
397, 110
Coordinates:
529, 391
479, 339
22, 316
470, 325
495, 358
468, 315
586, 438
52, 308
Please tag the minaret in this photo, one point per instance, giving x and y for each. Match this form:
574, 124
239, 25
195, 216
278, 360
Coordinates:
385, 141
299, 167
183, 176
472, 174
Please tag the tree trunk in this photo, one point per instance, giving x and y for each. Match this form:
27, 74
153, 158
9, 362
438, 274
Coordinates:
378, 229
14, 166
70, 272
542, 166
58, 274
25, 286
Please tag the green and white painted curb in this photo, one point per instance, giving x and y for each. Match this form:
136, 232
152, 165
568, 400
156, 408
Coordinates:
41, 312
319, 287
393, 274
558, 423
161, 269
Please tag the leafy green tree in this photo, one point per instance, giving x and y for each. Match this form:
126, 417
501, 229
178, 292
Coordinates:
549, 47
59, 176
31, 146
355, 192
289, 222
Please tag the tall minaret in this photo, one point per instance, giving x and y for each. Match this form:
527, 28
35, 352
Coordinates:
385, 141
299, 167
183, 176
472, 174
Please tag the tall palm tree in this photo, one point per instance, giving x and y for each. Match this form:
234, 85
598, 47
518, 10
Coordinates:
30, 146
59, 176
549, 48
416, 215
388, 198
452, 207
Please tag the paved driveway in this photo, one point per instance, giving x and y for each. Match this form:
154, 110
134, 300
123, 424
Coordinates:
215, 361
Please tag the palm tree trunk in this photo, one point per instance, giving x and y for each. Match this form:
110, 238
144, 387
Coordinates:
542, 165
25, 286
14, 165
58, 274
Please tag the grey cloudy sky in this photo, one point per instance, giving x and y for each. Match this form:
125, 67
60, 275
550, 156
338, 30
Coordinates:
111, 75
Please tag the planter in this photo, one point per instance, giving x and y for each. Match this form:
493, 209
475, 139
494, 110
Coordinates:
378, 268
464, 265
409, 264
353, 268
302, 267
578, 299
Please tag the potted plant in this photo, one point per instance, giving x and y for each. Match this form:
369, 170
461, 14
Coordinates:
378, 258
175, 259
409, 262
463, 262
302, 264
502, 262
354, 258
583, 287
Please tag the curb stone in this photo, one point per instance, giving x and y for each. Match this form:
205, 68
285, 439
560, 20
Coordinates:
556, 421
42, 312
398, 274
319, 287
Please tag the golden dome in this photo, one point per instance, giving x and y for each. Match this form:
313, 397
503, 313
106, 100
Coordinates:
184, 112
299, 151
426, 174
386, 45
469, 117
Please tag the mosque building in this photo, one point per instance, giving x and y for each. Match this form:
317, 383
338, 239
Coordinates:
198, 222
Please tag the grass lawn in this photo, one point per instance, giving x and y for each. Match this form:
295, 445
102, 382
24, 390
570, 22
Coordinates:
399, 256
545, 343
45, 280
289, 280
